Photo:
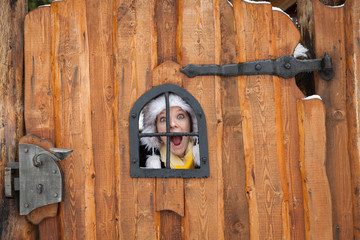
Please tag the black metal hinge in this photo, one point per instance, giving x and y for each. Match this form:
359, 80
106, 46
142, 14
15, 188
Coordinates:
285, 66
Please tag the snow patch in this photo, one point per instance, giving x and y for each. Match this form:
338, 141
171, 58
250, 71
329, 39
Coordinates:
45, 5
300, 51
338, 6
228, 1
312, 97
261, 2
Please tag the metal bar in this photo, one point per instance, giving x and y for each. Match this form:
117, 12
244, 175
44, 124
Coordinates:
170, 134
167, 130
285, 66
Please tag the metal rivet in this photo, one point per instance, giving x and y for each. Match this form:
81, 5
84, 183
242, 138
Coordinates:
134, 160
287, 65
26, 205
54, 171
258, 67
26, 150
200, 115
133, 115
56, 195
204, 159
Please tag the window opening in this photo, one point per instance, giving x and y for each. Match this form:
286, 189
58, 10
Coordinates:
168, 136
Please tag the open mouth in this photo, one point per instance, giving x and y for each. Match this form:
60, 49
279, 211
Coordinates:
176, 140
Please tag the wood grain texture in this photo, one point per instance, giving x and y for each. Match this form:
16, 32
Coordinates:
236, 212
169, 191
316, 190
145, 45
126, 87
260, 99
39, 106
352, 25
329, 22
197, 43
70, 55
287, 37
12, 16
99, 17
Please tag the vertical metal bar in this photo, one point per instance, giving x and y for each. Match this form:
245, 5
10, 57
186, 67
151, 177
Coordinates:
167, 130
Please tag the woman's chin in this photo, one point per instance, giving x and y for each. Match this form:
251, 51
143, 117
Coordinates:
178, 150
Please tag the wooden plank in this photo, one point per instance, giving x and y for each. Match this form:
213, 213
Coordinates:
260, 98
352, 26
198, 43
125, 86
287, 37
236, 212
39, 106
165, 12
330, 37
99, 17
317, 197
169, 191
12, 15
70, 51
145, 61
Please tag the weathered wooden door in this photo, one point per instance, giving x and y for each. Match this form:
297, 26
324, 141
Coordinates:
87, 62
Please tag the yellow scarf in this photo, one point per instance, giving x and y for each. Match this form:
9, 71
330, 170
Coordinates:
187, 162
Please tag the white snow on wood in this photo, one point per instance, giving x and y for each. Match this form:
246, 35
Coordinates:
338, 6
45, 5
229, 3
261, 2
300, 51
312, 97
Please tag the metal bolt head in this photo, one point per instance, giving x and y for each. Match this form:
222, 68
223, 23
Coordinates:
54, 171
26, 150
133, 115
56, 195
287, 65
258, 67
26, 205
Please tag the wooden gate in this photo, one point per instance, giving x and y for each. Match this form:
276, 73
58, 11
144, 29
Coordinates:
282, 166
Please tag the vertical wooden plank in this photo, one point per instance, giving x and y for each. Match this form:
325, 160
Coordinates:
169, 192
317, 197
12, 15
126, 87
198, 43
287, 37
145, 61
352, 26
260, 98
99, 16
136, 57
70, 51
38, 95
236, 212
330, 37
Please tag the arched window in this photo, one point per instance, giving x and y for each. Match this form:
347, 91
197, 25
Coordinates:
168, 136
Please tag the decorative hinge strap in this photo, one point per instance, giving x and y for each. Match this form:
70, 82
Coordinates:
285, 66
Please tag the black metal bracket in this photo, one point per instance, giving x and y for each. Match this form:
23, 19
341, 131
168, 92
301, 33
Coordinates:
285, 66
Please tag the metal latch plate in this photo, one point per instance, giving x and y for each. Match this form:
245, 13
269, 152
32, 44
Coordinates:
39, 185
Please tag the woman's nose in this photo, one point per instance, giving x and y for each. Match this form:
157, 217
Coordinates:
172, 122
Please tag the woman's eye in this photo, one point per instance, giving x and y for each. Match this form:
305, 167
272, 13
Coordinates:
163, 119
181, 116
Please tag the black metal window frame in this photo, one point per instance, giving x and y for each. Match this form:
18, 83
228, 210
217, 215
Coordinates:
135, 135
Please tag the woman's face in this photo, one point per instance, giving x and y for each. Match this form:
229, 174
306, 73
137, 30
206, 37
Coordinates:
179, 122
